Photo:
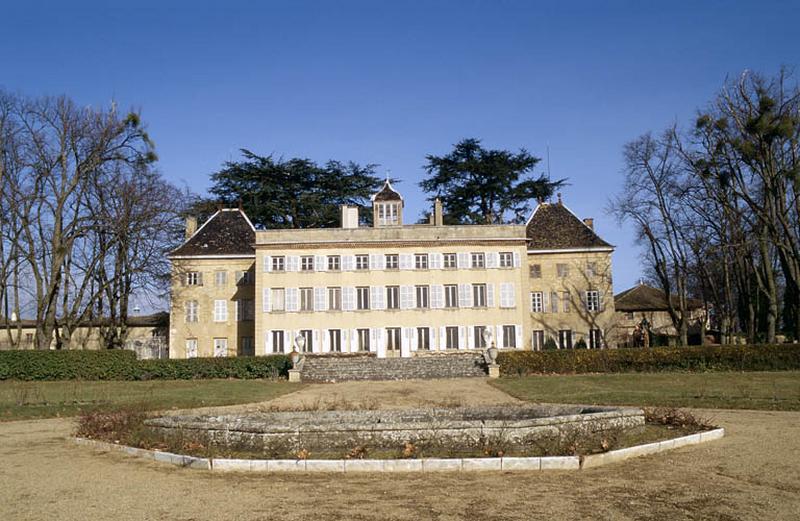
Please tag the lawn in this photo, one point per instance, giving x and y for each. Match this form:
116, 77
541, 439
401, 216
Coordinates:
22, 400
778, 391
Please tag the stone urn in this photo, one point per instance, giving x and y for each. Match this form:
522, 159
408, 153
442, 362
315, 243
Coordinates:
294, 356
492, 354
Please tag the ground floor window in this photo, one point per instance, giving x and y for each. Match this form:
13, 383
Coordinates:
423, 339
246, 346
277, 340
191, 348
220, 347
392, 339
477, 331
565, 339
308, 336
335, 340
537, 339
510, 336
595, 339
363, 339
451, 337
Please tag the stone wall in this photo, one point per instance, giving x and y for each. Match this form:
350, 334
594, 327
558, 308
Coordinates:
338, 368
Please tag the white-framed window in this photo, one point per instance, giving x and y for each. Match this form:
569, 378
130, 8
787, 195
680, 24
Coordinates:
565, 339
246, 347
423, 294
510, 336
306, 299
478, 339
244, 278
506, 259
479, 295
363, 339
192, 311
307, 263
362, 262
451, 295
595, 339
220, 310
562, 270
537, 339
308, 335
220, 278
191, 348
335, 340
278, 299
335, 299
536, 271
478, 260
592, 300
220, 347
334, 262
537, 302
450, 260
421, 261
362, 297
392, 297
194, 278
392, 261
565, 301
591, 270
279, 263
451, 337
393, 339
277, 340
423, 339
388, 214
245, 309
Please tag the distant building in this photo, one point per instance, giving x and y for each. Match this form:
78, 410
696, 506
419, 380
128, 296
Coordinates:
643, 302
391, 289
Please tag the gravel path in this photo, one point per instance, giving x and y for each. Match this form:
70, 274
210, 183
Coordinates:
753, 473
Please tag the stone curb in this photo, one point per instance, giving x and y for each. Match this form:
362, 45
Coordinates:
409, 465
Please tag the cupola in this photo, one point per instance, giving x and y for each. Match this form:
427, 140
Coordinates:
387, 206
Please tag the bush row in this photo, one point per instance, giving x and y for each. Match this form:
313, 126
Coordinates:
702, 358
123, 365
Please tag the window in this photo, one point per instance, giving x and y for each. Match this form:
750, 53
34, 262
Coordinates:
306, 299
220, 347
363, 339
562, 271
192, 314
362, 262
388, 214
537, 302
451, 337
421, 261
565, 339
194, 278
593, 300
449, 260
246, 346
334, 262
335, 340
565, 301
220, 311
554, 302
478, 260
362, 297
591, 270
307, 263
244, 278
451, 296
392, 339
536, 271
479, 295
595, 339
278, 299
506, 259
278, 263
220, 278
392, 261
191, 348
308, 335
477, 331
629, 315
423, 339
392, 297
335, 299
245, 309
510, 336
537, 339
423, 292
277, 340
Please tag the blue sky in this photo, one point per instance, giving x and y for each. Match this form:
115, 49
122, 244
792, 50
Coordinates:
389, 82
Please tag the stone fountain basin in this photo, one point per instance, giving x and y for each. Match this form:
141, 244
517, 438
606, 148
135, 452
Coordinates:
388, 428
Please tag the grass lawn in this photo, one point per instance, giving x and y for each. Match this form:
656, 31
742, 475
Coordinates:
778, 391
22, 400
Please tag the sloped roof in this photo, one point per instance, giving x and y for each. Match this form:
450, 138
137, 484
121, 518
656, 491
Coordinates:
227, 232
552, 226
647, 298
387, 193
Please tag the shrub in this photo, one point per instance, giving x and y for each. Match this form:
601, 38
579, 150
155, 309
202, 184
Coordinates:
782, 357
123, 365
550, 344
580, 344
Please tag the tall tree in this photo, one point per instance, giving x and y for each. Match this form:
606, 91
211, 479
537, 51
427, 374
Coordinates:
484, 186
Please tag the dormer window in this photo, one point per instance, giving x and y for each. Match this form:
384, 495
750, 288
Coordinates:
388, 214
387, 206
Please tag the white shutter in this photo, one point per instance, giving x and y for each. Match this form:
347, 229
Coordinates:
319, 299
464, 296
442, 339
545, 301
380, 342
436, 260
353, 340
512, 295
498, 337
470, 337
516, 259
288, 341
320, 263
492, 259
292, 302
326, 341
490, 295
267, 263
237, 305
348, 298
437, 296
406, 297
315, 348
268, 342
377, 297
292, 263
601, 297
462, 337
377, 261
406, 261
266, 293
518, 332
463, 261
405, 342
507, 298
414, 339
348, 262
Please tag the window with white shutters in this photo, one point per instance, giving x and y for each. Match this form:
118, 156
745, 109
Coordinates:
478, 259
348, 298
220, 310
363, 339
278, 299
478, 341
191, 348
277, 341
406, 261
292, 263
392, 261
451, 337
362, 297
192, 311
335, 340
565, 339
392, 297
450, 261
421, 261
451, 296
479, 295
334, 263
437, 296
308, 336
463, 261
292, 300
194, 278
362, 262
348, 262
393, 340
436, 261
509, 336
537, 339
306, 299
320, 263
537, 302
507, 295
307, 263
406, 297
464, 295
423, 339
506, 259
378, 301
279, 263
422, 294
376, 261
595, 339
220, 278
335, 299
319, 299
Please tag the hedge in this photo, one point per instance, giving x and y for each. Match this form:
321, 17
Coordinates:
123, 365
782, 357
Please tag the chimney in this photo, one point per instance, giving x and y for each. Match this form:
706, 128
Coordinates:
349, 216
191, 225
438, 217
589, 221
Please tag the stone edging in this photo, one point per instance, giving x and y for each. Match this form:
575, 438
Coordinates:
409, 465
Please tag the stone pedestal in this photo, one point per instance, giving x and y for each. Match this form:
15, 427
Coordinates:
294, 375
494, 371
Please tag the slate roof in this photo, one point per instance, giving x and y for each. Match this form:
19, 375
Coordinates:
227, 232
552, 226
647, 298
387, 193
